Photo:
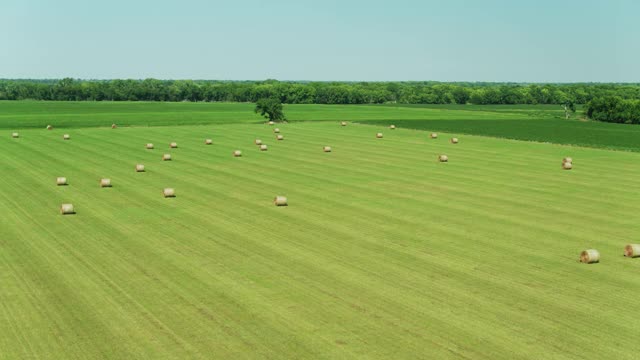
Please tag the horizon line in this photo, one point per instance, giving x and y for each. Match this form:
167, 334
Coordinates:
336, 81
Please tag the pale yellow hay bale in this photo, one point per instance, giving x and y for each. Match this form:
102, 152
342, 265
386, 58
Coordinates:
208, 141
169, 192
258, 142
590, 256
279, 137
149, 146
443, 158
66, 137
49, 127
113, 126
166, 157
61, 181
567, 159
392, 127
173, 145
270, 123
379, 135
280, 201
433, 135
454, 140
632, 250
237, 153
567, 166
105, 182
326, 149
276, 130
67, 209
263, 147
139, 168
344, 123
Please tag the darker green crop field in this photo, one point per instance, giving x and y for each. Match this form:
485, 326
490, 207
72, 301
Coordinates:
540, 123
552, 130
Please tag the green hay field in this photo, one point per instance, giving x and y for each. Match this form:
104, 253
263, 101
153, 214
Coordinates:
382, 253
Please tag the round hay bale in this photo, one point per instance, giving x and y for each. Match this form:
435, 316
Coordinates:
263, 147
67, 209
279, 137
632, 250
173, 145
567, 166
168, 192
139, 168
61, 181
149, 146
443, 158
208, 141
66, 137
270, 123
15, 135
237, 153
166, 157
454, 140
392, 127
379, 135
49, 127
276, 130
326, 149
113, 126
258, 142
567, 160
433, 136
280, 201
344, 123
105, 182
590, 256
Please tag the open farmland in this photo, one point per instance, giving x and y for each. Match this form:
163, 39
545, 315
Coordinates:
542, 123
29, 114
383, 252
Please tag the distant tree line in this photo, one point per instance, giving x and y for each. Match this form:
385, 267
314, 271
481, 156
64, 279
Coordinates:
614, 109
312, 92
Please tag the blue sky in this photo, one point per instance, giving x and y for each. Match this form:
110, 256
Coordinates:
354, 40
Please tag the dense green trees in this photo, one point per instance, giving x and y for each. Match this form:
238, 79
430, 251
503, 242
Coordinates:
614, 109
312, 92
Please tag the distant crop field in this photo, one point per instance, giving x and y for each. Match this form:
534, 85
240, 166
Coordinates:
382, 252
38, 114
558, 131
541, 123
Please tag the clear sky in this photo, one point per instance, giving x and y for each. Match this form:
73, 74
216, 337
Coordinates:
444, 40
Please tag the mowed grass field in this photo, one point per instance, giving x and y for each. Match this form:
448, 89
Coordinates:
383, 252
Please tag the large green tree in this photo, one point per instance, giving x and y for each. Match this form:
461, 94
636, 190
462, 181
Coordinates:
270, 108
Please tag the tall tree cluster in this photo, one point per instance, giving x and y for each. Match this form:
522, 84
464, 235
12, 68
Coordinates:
614, 109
